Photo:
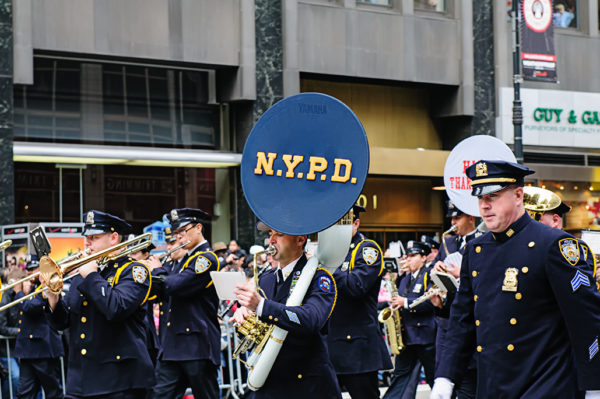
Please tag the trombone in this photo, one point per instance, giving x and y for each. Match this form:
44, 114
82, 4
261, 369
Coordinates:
52, 273
5, 244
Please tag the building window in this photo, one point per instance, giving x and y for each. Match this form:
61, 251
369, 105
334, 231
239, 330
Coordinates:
116, 104
433, 5
565, 14
378, 2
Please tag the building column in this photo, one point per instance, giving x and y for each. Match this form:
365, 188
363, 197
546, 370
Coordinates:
269, 90
483, 65
7, 193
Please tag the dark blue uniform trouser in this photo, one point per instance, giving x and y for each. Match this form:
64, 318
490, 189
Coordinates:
405, 364
39, 372
129, 394
360, 386
200, 375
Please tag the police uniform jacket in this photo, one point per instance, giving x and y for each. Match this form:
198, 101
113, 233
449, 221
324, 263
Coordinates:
526, 303
192, 331
36, 339
418, 324
105, 316
302, 368
453, 245
354, 331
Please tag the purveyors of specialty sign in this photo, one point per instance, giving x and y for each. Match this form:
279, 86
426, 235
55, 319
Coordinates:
465, 154
304, 163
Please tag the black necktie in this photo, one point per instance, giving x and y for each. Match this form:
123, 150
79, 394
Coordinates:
279, 276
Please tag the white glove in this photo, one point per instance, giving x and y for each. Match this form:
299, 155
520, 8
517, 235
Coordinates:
442, 389
592, 394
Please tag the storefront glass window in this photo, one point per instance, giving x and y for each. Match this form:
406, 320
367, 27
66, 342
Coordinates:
433, 5
565, 14
108, 103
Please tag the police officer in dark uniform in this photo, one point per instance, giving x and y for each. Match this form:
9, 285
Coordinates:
302, 368
418, 325
434, 246
38, 346
526, 303
356, 346
190, 351
104, 312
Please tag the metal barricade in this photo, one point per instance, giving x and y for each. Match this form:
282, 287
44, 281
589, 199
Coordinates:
11, 389
236, 386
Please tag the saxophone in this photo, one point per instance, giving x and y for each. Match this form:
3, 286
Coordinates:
392, 321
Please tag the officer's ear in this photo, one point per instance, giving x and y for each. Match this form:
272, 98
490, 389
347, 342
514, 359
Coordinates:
115, 238
519, 194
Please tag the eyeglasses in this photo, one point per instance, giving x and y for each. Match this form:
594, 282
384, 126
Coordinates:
182, 232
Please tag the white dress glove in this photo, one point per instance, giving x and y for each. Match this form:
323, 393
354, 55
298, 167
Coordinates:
592, 394
442, 389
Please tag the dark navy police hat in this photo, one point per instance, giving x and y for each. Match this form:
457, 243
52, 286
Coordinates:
169, 236
417, 247
183, 216
561, 209
97, 222
491, 176
433, 244
33, 262
452, 210
357, 209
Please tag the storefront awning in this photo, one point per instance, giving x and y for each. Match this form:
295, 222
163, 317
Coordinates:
121, 155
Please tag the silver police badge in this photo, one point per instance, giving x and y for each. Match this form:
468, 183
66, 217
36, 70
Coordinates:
89, 218
140, 274
202, 264
370, 255
174, 215
569, 248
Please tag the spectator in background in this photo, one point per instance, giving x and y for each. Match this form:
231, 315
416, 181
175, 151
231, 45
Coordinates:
234, 249
220, 249
9, 320
562, 18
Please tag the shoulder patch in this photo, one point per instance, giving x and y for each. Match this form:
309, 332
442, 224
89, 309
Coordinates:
370, 255
569, 249
202, 264
325, 284
140, 274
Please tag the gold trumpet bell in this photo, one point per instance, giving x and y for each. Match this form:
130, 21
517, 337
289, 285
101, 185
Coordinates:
51, 274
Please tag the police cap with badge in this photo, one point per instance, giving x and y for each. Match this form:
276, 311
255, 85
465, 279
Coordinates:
452, 210
432, 242
488, 177
183, 216
97, 222
33, 263
417, 247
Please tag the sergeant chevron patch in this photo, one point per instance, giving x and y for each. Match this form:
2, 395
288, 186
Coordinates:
293, 317
593, 348
579, 280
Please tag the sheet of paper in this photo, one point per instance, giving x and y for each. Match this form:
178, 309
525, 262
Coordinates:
454, 257
592, 239
225, 282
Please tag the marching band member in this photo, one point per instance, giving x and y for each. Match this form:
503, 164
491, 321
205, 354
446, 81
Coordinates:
190, 350
38, 345
104, 314
418, 323
526, 303
354, 331
302, 368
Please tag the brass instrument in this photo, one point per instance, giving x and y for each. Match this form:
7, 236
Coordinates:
537, 200
444, 234
427, 296
172, 250
5, 244
53, 273
393, 323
